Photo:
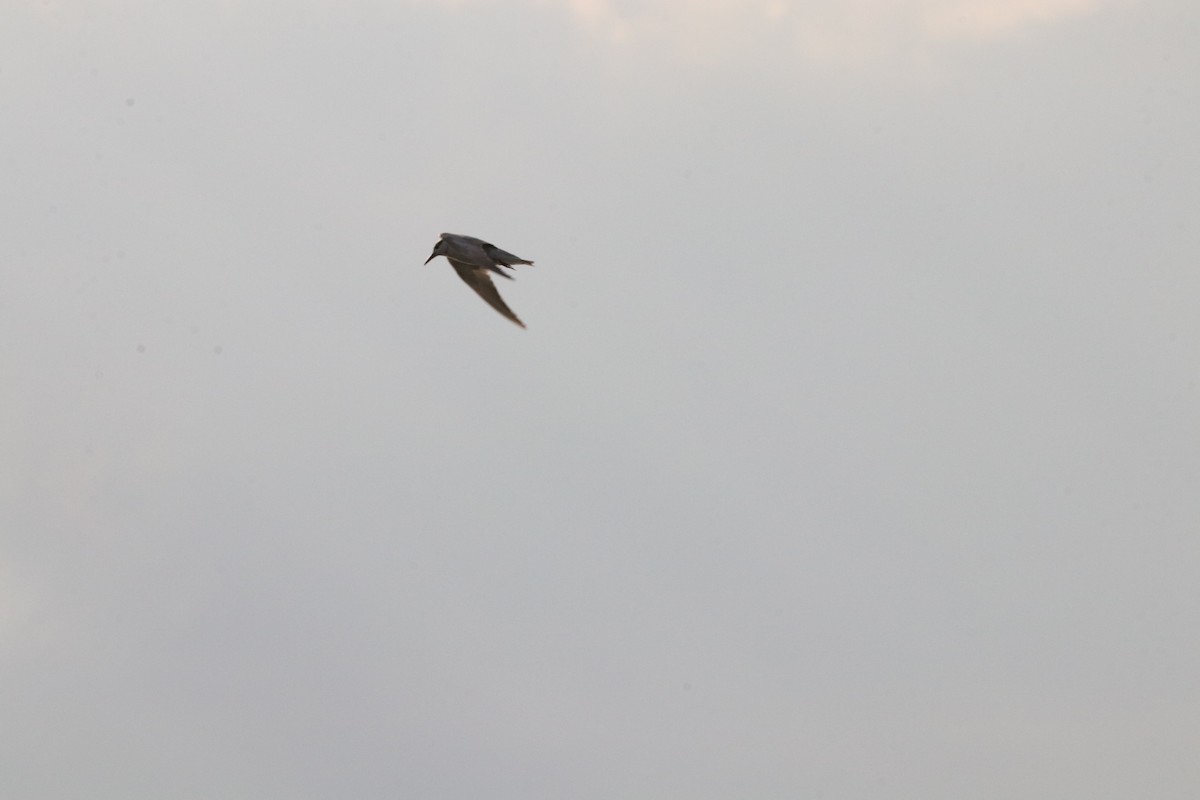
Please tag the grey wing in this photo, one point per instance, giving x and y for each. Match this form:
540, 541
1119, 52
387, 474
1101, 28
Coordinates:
479, 280
502, 256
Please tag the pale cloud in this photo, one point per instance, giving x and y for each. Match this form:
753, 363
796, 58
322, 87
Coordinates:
847, 31
823, 31
973, 19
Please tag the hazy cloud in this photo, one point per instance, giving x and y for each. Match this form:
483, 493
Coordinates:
862, 31
865, 33
850, 451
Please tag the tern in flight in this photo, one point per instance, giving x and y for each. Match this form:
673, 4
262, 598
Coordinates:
473, 259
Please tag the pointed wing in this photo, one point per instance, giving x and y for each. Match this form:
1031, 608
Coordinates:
479, 280
502, 256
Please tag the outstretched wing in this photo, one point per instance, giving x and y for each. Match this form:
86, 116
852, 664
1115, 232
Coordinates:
479, 280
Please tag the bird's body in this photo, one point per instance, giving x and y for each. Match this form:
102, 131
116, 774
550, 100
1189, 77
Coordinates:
473, 259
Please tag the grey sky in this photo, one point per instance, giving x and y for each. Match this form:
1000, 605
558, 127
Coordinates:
852, 450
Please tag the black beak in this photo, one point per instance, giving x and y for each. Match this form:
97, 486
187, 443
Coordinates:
431, 258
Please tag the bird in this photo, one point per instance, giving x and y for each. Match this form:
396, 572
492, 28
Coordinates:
473, 259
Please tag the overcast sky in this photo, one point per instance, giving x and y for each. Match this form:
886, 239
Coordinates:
852, 450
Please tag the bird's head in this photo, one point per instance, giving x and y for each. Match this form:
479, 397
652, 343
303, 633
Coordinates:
439, 249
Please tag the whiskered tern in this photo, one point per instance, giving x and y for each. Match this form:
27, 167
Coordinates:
473, 259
